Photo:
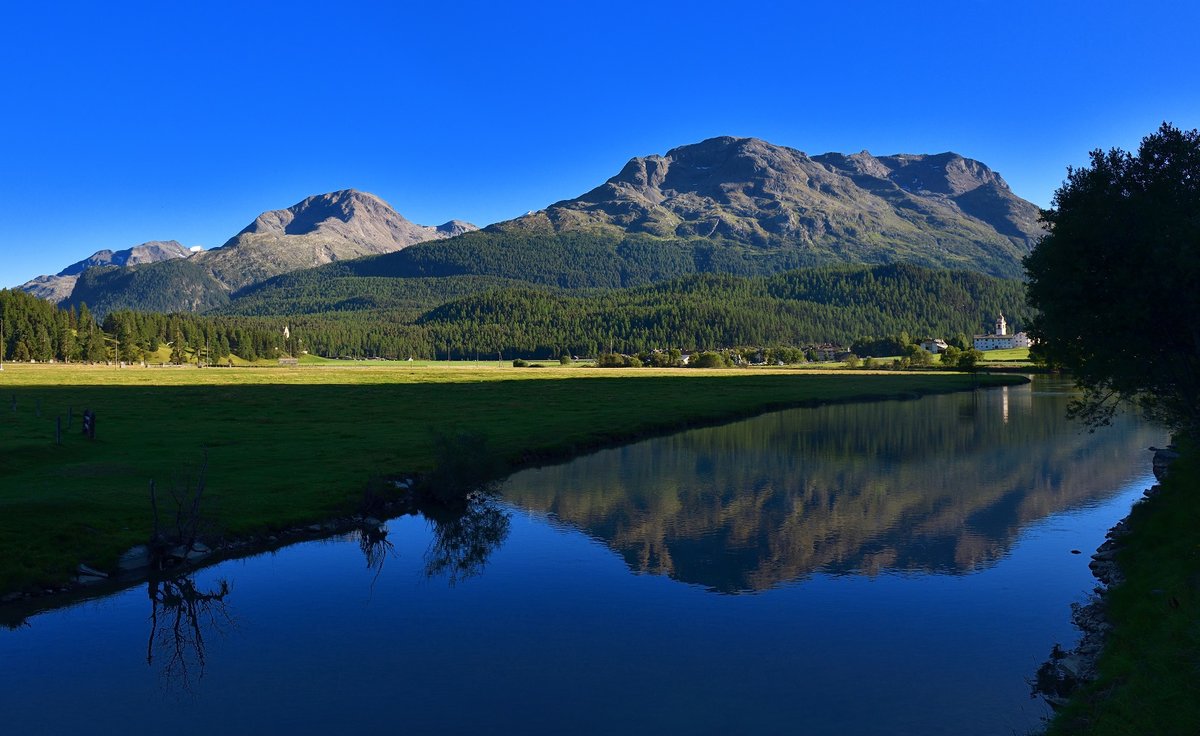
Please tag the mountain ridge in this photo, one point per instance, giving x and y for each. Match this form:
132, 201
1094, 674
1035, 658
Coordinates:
723, 205
756, 193
765, 208
58, 287
320, 229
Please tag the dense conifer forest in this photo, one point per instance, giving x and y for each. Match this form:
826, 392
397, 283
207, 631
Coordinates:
489, 317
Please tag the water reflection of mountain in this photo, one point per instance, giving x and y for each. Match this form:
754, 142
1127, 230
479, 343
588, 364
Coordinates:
942, 484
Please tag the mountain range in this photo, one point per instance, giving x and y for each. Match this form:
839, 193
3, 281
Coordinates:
752, 192
320, 229
734, 205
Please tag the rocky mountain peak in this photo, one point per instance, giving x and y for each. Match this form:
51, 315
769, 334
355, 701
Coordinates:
322, 211
941, 173
455, 227
834, 206
316, 230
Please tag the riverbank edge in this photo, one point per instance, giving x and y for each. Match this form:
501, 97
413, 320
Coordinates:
16, 605
1136, 669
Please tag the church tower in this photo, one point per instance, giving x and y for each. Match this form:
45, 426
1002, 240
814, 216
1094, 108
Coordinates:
1001, 325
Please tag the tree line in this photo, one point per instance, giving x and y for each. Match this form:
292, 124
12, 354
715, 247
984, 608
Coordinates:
877, 310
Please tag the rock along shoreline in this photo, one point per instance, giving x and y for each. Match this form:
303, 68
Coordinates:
1069, 670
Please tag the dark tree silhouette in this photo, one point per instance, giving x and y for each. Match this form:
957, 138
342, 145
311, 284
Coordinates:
1117, 280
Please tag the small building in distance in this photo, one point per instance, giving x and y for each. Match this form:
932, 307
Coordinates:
1000, 339
933, 345
826, 352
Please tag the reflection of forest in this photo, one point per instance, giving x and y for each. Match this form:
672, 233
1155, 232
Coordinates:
943, 483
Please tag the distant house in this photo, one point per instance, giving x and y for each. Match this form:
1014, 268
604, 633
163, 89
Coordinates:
827, 351
934, 345
1000, 339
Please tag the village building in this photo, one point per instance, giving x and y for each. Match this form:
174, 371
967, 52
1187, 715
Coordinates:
934, 345
1000, 339
828, 351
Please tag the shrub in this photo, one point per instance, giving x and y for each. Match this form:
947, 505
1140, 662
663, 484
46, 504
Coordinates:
709, 359
617, 360
463, 465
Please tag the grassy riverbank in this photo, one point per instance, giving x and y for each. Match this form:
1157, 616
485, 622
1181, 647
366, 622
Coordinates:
287, 446
1150, 668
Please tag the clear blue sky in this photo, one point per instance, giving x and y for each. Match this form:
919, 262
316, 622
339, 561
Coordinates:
124, 122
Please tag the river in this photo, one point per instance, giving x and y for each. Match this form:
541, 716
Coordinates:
895, 567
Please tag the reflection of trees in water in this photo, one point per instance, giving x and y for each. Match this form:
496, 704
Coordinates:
464, 538
465, 534
944, 483
180, 616
376, 549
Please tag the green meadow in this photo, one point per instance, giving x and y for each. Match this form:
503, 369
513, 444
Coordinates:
295, 445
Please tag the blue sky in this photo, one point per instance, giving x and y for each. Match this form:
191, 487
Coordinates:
127, 122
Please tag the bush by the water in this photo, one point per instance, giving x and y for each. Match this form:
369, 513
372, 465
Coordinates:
463, 465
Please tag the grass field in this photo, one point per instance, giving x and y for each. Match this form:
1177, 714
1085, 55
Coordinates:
293, 445
1012, 355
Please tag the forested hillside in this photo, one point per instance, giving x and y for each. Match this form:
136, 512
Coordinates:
165, 286
712, 311
429, 274
506, 318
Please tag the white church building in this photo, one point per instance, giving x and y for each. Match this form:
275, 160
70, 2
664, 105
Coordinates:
1000, 339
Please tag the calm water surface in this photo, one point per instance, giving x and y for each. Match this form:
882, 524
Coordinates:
885, 568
